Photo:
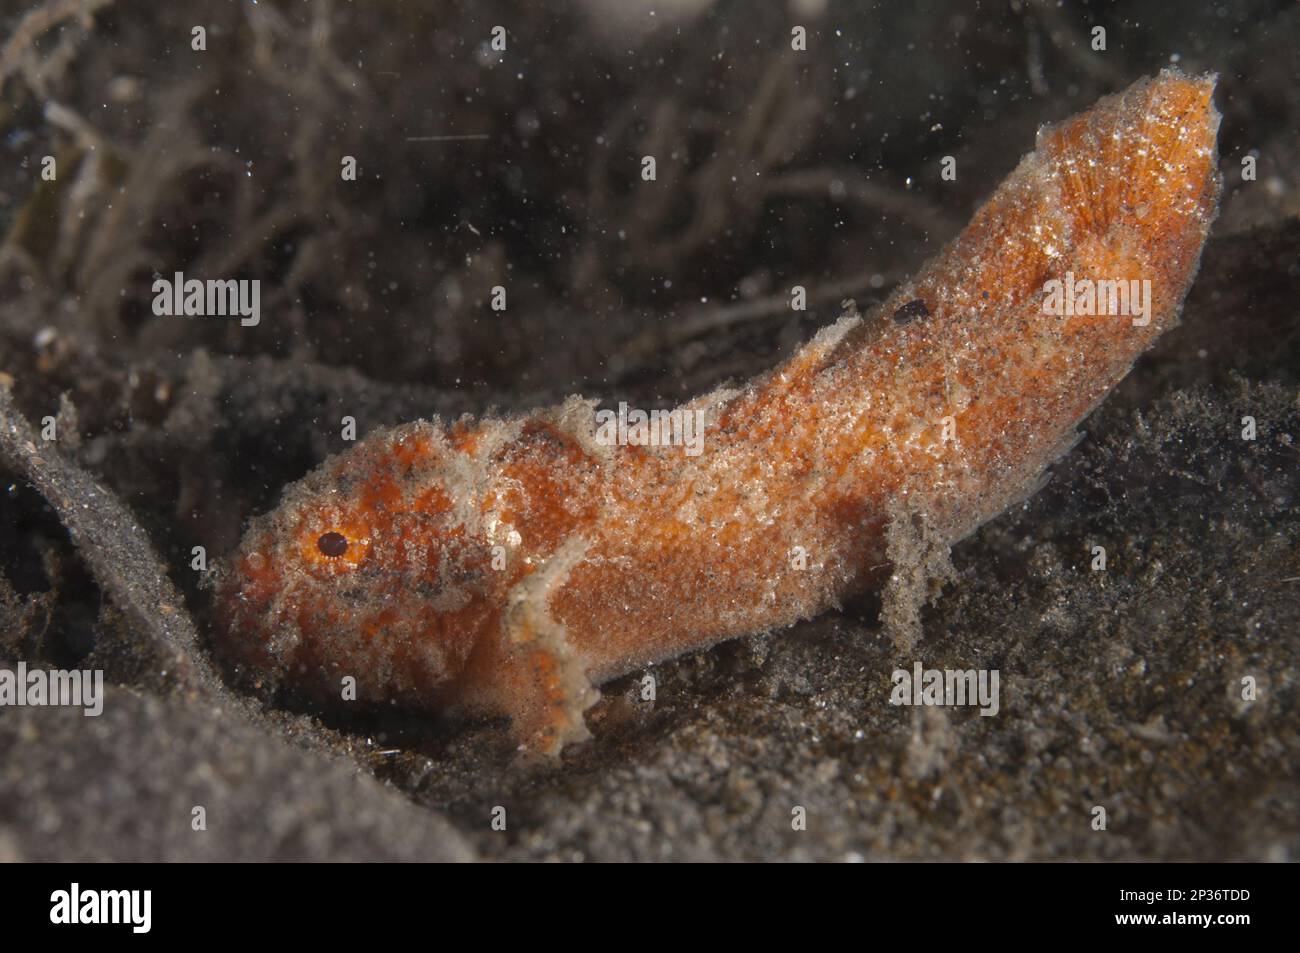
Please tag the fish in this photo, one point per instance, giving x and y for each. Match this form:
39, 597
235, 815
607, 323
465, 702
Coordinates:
508, 566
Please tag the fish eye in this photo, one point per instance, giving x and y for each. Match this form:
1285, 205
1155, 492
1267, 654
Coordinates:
332, 545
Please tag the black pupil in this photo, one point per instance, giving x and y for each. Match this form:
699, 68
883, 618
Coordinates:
332, 544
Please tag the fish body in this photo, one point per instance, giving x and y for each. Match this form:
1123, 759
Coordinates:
509, 565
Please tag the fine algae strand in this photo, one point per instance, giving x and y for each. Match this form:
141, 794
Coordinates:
508, 566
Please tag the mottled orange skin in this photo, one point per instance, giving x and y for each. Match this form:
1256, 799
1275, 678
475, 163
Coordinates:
612, 558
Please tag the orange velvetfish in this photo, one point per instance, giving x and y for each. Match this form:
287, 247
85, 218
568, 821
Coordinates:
509, 565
